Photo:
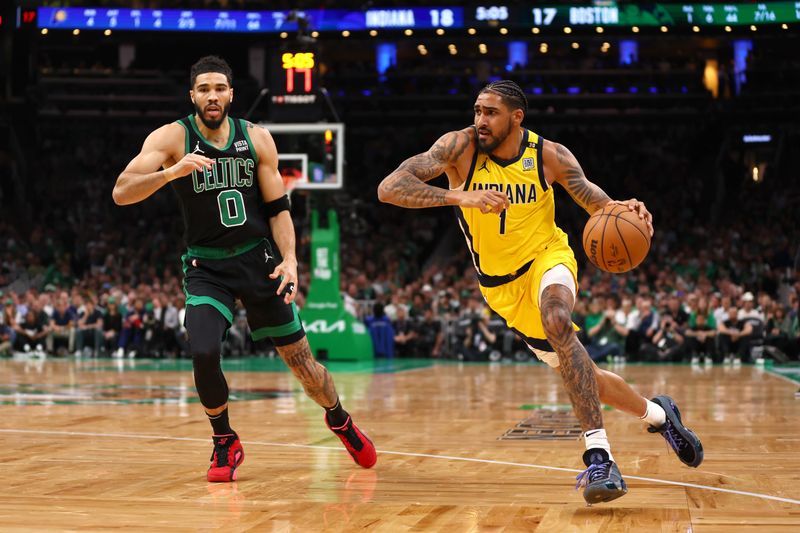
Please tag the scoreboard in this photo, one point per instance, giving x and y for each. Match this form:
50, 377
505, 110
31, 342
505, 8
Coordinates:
632, 14
606, 13
247, 21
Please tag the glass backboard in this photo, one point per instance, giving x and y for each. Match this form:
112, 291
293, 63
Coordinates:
310, 156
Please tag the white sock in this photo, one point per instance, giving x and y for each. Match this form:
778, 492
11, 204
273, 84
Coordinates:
596, 438
654, 415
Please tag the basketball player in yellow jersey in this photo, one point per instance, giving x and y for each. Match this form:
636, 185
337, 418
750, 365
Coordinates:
501, 181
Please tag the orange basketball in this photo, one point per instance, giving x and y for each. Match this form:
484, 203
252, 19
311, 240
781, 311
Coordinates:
615, 239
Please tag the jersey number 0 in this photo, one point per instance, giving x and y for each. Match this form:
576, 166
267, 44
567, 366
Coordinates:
231, 208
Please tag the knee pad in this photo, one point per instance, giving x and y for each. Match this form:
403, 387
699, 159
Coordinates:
558, 275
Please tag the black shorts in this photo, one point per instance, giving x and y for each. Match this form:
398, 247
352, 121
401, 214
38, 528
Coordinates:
217, 276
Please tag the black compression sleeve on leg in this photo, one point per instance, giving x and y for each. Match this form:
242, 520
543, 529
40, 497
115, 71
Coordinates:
206, 326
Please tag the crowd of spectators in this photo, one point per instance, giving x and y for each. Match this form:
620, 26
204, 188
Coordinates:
74, 322
694, 308
689, 310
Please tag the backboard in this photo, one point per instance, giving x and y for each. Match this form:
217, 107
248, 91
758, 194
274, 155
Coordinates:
310, 156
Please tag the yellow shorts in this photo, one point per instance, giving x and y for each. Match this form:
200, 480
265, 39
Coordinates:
518, 301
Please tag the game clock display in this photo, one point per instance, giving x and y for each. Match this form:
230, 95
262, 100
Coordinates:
294, 95
632, 14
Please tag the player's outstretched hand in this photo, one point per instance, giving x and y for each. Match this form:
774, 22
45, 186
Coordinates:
287, 270
488, 201
639, 207
187, 164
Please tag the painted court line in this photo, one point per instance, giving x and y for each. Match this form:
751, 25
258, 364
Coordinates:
776, 374
405, 454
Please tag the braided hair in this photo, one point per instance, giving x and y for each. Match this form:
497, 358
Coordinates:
512, 94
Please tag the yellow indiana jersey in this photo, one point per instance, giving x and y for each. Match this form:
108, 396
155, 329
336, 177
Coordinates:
501, 244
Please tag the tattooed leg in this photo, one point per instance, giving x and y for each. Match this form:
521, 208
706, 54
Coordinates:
577, 369
615, 392
314, 377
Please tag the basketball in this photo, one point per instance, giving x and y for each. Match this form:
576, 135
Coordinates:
615, 239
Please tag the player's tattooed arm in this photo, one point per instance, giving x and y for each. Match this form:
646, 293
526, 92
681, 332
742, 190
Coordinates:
565, 169
406, 187
575, 365
315, 378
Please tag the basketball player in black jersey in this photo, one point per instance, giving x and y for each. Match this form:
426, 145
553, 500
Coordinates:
225, 174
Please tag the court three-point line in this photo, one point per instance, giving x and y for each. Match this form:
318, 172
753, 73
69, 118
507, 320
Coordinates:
404, 454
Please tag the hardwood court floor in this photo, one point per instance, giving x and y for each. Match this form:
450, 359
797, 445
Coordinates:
106, 445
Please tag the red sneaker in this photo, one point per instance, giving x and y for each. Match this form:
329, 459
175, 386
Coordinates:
228, 454
357, 444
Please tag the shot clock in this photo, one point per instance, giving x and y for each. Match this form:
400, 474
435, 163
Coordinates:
294, 94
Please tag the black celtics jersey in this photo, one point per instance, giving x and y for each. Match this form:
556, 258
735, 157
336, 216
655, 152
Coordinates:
222, 206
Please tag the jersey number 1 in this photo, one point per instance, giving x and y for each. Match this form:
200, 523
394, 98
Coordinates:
503, 221
231, 208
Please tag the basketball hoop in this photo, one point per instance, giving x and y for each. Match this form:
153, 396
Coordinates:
313, 154
290, 181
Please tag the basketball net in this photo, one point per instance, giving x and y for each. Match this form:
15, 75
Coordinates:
290, 182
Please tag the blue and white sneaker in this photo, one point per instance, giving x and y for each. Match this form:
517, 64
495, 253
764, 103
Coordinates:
602, 480
681, 439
